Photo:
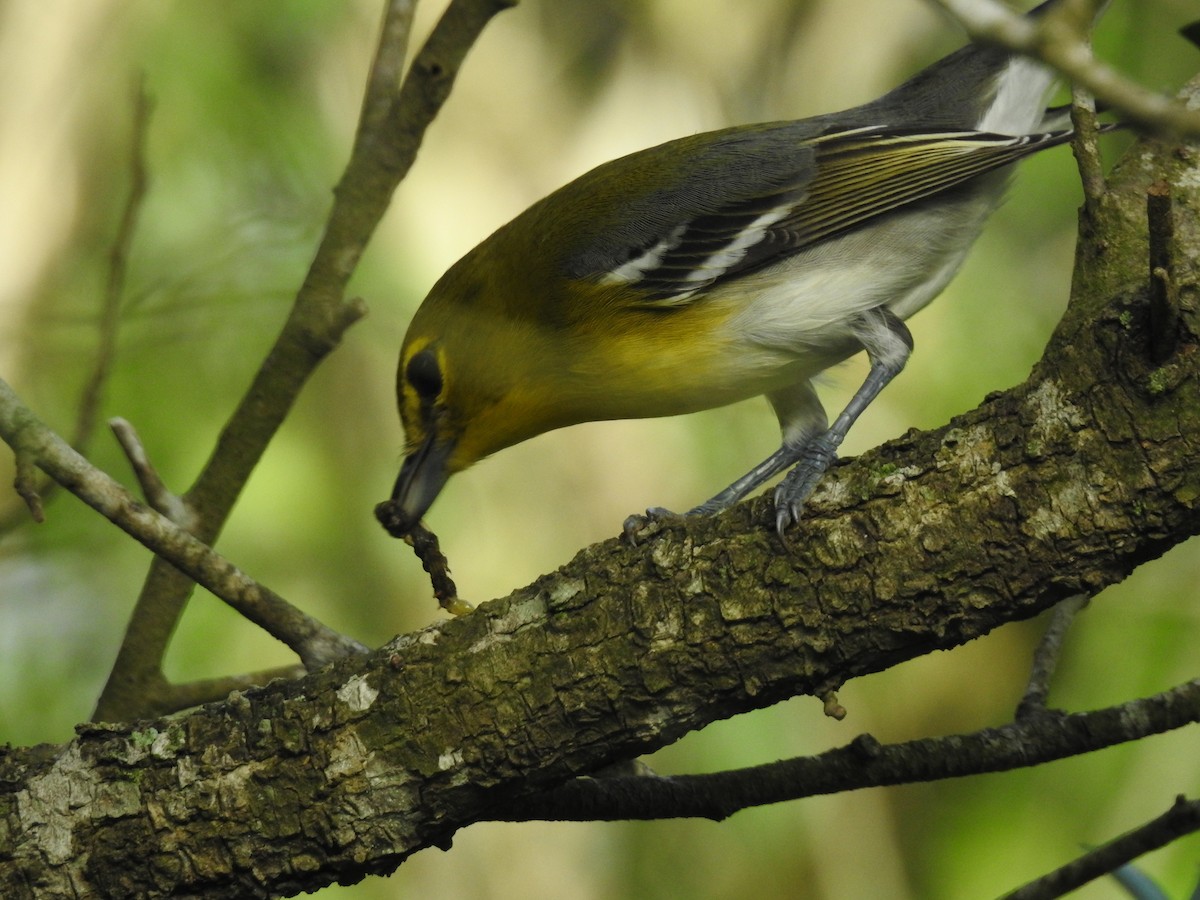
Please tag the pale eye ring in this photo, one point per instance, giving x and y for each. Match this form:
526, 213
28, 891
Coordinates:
424, 374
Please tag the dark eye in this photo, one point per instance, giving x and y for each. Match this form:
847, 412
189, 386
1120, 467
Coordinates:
424, 374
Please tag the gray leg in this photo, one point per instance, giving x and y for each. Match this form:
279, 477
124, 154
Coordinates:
809, 447
888, 343
801, 418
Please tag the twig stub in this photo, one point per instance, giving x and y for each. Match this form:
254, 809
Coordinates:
1164, 300
26, 486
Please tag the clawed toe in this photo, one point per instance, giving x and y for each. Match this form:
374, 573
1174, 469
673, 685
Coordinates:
638, 526
785, 517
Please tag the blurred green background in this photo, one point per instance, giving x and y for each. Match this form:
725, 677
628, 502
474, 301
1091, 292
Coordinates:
255, 107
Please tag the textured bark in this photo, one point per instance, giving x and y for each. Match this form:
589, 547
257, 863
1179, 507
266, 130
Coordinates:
1062, 485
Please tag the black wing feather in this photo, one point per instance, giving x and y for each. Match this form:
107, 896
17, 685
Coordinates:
858, 175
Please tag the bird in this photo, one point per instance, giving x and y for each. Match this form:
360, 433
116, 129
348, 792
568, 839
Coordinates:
718, 267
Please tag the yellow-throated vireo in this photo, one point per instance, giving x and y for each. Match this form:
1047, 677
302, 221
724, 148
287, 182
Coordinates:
718, 267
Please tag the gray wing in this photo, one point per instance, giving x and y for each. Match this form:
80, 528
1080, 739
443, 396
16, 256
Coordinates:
831, 182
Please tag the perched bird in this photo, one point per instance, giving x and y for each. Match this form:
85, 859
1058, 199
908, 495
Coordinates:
718, 267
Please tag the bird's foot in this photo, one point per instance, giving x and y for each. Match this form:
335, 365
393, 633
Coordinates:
799, 483
638, 526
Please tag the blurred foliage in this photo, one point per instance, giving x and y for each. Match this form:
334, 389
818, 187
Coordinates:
255, 106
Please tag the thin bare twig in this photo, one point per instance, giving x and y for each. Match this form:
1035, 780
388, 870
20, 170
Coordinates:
315, 643
862, 763
157, 494
1085, 144
118, 265
1057, 39
388, 66
1045, 657
1182, 818
26, 484
212, 690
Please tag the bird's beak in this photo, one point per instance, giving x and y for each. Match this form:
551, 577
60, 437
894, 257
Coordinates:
421, 479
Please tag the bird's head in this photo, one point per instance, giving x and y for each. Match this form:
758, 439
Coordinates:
473, 379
